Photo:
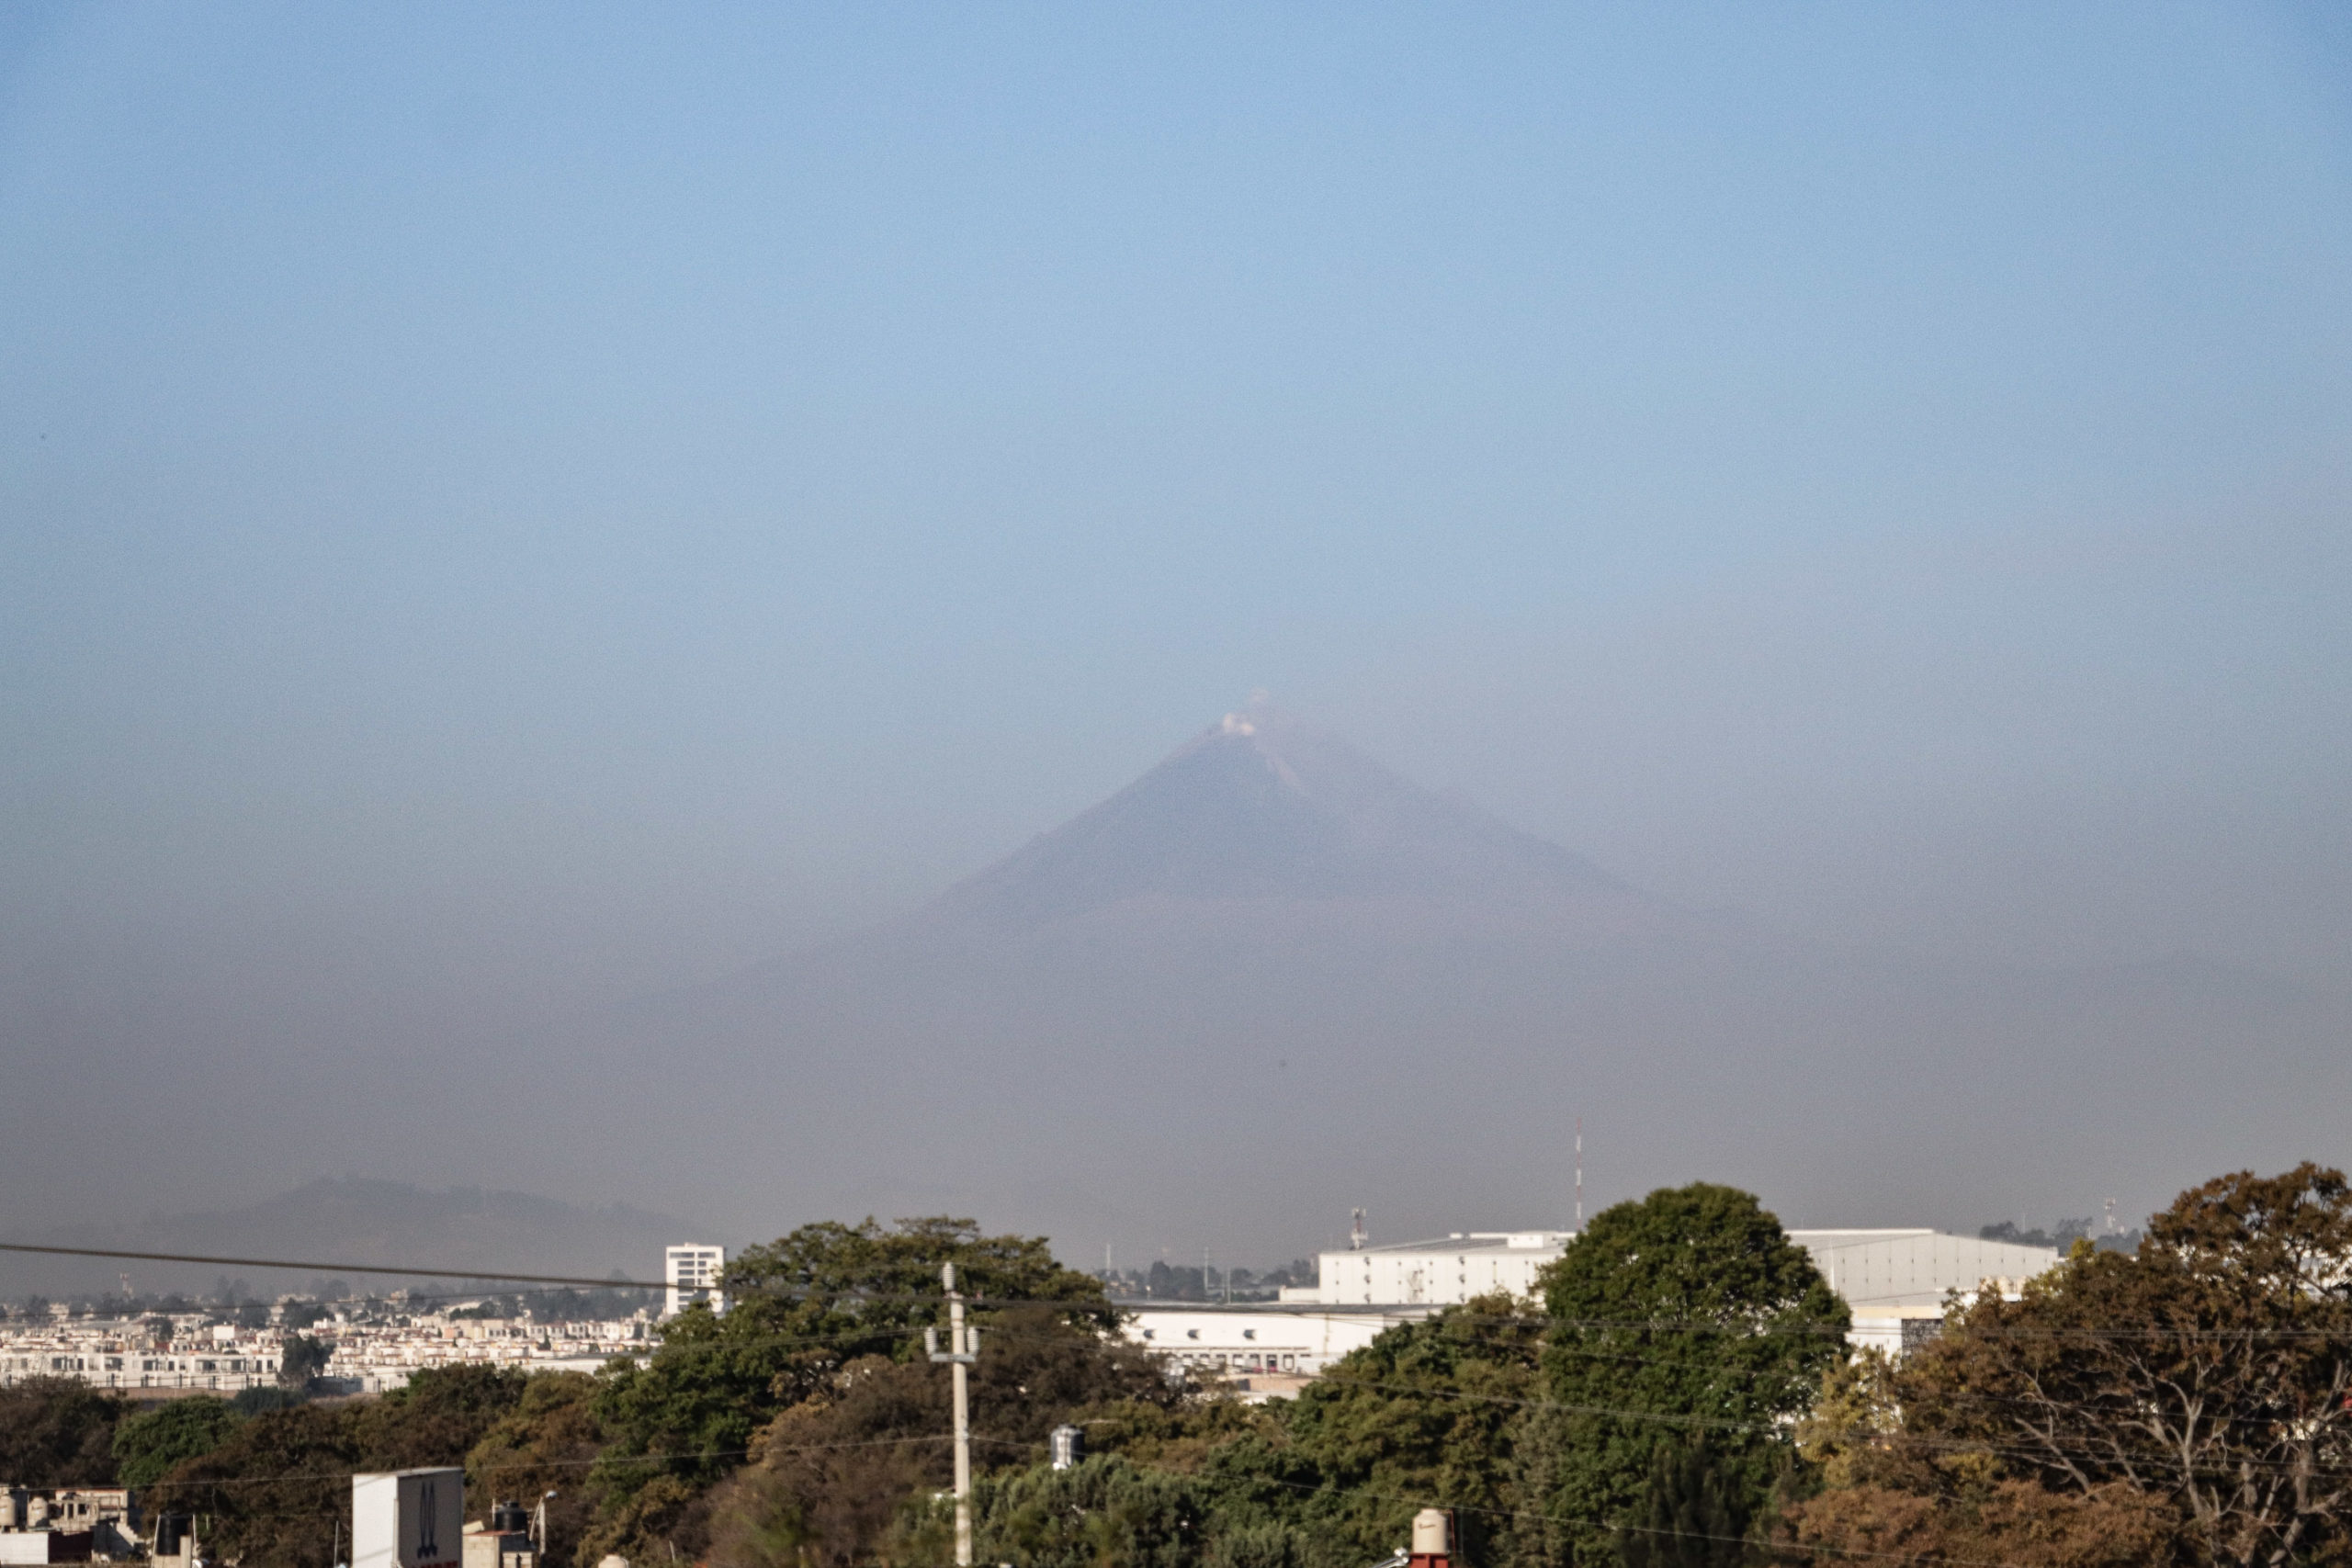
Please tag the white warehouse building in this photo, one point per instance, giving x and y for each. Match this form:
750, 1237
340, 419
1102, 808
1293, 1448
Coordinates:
1894, 1281
1881, 1270
1444, 1272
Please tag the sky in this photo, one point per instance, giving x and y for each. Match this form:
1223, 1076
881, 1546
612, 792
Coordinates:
504, 512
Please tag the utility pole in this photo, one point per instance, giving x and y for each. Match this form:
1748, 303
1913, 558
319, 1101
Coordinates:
963, 1349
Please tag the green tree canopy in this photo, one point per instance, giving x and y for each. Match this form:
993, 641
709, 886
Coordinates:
1427, 1413
833, 1471
147, 1446
801, 1308
1105, 1510
57, 1432
437, 1418
1692, 1515
301, 1358
272, 1493
546, 1443
1686, 1314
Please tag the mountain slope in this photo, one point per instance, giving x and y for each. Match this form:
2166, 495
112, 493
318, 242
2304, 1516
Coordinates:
1270, 980
1262, 807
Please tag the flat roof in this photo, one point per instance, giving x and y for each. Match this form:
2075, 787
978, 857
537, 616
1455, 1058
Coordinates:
1467, 1241
1293, 1309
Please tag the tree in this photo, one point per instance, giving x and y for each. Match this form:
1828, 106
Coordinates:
1103, 1510
266, 1396
58, 1432
1428, 1411
2013, 1523
272, 1492
546, 1443
803, 1307
2211, 1371
833, 1471
296, 1316
437, 1416
301, 1359
146, 1447
1686, 1314
1693, 1513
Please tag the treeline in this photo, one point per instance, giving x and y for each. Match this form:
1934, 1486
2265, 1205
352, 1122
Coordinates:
1682, 1396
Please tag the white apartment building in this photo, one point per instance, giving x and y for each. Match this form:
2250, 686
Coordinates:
692, 1270
376, 1358
128, 1354
363, 1356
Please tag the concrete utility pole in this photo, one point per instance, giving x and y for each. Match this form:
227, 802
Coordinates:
963, 1349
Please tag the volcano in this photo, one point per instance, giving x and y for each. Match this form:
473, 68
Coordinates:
1261, 806
1270, 980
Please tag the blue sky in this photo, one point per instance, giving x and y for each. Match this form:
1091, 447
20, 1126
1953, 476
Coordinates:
504, 509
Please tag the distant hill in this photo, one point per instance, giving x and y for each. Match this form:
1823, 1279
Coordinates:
1271, 979
357, 1222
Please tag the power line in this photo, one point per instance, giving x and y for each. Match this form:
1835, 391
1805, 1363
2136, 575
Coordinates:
490, 1280
333, 1268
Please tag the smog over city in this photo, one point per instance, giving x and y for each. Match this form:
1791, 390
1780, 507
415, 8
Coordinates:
1154, 627
1214, 635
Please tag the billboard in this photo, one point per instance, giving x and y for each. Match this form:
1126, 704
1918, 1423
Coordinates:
408, 1518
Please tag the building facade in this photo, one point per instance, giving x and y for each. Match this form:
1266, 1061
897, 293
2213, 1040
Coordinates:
692, 1270
1895, 1281
1443, 1273
1265, 1347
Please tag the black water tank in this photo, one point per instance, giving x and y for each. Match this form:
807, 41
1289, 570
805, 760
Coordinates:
509, 1518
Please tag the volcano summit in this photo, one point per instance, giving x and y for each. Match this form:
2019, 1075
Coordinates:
1271, 979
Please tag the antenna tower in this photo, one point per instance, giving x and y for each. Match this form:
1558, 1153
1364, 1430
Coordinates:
1580, 1175
1356, 1238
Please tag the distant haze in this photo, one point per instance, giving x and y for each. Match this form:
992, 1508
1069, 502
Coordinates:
555, 567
